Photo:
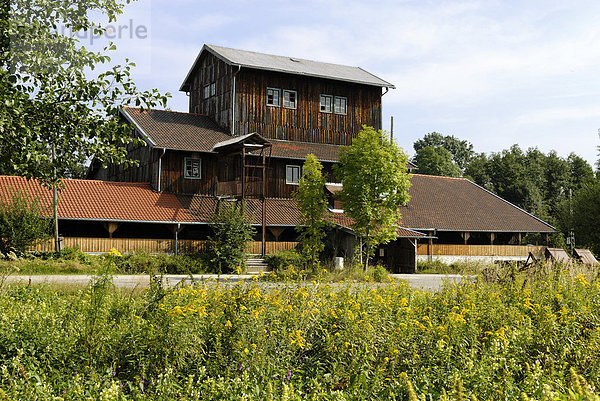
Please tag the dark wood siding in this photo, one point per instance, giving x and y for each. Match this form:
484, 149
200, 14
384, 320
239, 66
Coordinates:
144, 172
172, 178
209, 70
306, 123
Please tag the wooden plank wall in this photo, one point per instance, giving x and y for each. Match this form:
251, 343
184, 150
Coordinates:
211, 69
480, 250
172, 173
102, 245
306, 123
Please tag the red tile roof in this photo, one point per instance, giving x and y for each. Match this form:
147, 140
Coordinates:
103, 200
175, 130
457, 204
451, 204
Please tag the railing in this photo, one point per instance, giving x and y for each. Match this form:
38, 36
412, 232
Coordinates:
479, 250
100, 245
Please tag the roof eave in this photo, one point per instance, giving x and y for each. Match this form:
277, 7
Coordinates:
132, 121
185, 86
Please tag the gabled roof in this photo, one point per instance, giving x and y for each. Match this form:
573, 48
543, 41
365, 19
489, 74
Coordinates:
457, 204
176, 130
289, 65
237, 141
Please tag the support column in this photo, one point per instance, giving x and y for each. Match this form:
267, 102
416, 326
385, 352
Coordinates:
492, 238
111, 227
466, 236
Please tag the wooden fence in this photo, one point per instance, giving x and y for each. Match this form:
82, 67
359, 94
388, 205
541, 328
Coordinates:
480, 250
101, 245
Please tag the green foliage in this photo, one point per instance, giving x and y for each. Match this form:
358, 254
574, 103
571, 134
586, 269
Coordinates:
461, 151
436, 160
282, 259
582, 214
73, 261
484, 340
375, 186
21, 222
231, 232
312, 205
49, 97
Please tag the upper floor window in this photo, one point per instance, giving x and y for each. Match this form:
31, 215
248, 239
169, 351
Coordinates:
210, 90
289, 99
192, 168
340, 105
326, 103
273, 97
292, 174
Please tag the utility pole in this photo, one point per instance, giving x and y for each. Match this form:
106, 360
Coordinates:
392, 129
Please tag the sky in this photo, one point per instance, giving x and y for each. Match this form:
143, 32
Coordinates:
495, 73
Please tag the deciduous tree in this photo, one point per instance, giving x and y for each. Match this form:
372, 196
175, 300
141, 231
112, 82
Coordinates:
461, 150
312, 205
375, 186
436, 160
56, 94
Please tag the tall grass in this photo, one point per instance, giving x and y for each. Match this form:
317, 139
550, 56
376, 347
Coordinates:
516, 335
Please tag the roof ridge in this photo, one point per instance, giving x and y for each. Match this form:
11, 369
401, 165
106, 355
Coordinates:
284, 56
167, 111
441, 176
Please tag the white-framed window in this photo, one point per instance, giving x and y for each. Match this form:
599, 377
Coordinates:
192, 168
289, 99
340, 105
292, 174
273, 97
326, 103
213, 89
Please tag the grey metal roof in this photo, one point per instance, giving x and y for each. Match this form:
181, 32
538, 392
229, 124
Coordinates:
289, 65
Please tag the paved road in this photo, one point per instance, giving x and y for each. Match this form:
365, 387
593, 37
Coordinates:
428, 282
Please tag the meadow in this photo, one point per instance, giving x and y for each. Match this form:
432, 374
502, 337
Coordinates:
532, 335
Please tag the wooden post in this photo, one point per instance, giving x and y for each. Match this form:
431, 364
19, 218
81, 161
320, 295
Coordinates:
111, 227
466, 236
520, 235
264, 203
243, 171
492, 238
55, 201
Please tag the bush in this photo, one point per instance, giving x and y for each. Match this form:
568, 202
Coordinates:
283, 259
231, 232
21, 223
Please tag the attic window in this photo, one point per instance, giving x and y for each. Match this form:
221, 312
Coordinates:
192, 168
289, 99
210, 90
273, 97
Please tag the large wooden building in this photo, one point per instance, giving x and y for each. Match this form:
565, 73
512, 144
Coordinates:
252, 120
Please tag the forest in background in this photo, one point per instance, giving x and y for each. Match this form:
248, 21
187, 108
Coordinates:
565, 192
